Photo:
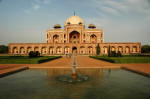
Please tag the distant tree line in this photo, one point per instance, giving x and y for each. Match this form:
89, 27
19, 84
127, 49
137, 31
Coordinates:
3, 49
146, 49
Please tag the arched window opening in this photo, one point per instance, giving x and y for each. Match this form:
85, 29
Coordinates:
56, 38
74, 37
93, 38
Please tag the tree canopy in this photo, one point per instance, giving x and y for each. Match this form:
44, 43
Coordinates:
146, 49
3, 49
98, 49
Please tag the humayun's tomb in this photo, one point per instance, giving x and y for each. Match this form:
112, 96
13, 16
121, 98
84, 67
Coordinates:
74, 38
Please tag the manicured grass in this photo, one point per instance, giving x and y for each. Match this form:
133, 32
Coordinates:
25, 59
124, 59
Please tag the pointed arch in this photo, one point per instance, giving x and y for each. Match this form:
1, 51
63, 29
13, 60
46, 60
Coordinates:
82, 50
44, 50
74, 37
113, 48
22, 50
90, 50
59, 50
105, 50
51, 50
120, 48
36, 48
29, 49
93, 38
134, 49
127, 49
66, 50
56, 38
15, 50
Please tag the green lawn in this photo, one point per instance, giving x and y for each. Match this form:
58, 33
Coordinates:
124, 59
25, 59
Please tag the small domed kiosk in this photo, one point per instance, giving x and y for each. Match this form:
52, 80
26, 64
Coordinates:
91, 26
57, 26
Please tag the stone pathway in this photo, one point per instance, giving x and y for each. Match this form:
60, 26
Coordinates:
82, 62
86, 62
6, 69
58, 63
139, 68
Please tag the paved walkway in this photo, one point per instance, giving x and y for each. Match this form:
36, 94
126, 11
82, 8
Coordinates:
6, 69
139, 68
58, 63
85, 61
82, 62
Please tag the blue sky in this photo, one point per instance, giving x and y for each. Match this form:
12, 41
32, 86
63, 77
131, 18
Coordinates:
27, 20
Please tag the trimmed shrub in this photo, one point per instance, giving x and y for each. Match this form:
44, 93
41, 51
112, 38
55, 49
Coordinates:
48, 59
102, 58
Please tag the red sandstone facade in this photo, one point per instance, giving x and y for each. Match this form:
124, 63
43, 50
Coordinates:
74, 38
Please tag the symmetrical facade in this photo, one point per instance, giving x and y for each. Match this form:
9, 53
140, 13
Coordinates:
74, 38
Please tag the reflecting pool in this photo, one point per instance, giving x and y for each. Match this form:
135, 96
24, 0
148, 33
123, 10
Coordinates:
102, 84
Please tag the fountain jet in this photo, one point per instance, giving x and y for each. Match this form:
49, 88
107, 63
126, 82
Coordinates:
74, 65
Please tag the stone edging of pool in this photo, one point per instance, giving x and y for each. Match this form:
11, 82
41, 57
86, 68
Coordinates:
136, 71
15, 70
12, 70
61, 67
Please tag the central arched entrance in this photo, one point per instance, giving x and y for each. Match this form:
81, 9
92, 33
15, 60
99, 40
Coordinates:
74, 50
74, 37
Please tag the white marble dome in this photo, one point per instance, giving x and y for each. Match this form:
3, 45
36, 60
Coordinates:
74, 20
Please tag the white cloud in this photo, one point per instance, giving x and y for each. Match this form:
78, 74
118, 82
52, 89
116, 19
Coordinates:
126, 19
35, 6
116, 7
99, 22
110, 10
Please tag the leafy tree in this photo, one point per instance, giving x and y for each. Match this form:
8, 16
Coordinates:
146, 49
119, 54
31, 54
113, 54
3, 49
34, 54
98, 49
37, 53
